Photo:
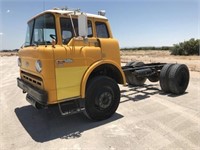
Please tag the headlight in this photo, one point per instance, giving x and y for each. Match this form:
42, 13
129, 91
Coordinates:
38, 66
19, 62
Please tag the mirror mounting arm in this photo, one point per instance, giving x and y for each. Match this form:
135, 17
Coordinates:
72, 25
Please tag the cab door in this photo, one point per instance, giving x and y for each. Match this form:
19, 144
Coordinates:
73, 58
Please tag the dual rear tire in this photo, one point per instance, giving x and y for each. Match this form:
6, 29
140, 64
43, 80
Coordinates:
174, 78
131, 79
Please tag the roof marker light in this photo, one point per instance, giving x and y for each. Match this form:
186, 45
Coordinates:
102, 12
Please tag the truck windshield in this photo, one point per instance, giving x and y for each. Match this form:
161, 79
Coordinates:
28, 34
41, 30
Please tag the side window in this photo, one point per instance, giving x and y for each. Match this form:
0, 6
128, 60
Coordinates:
67, 31
102, 31
90, 33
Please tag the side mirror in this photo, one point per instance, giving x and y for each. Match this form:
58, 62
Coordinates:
82, 25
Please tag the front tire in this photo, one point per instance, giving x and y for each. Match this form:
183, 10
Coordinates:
102, 98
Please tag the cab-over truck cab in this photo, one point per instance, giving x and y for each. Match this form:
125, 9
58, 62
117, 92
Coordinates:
71, 59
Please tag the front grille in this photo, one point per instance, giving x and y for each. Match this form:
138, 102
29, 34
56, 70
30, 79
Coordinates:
32, 79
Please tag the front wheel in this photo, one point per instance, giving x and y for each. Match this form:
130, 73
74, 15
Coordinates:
102, 98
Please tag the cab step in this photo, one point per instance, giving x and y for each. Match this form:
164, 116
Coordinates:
71, 107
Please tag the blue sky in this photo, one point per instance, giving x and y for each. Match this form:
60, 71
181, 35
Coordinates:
134, 22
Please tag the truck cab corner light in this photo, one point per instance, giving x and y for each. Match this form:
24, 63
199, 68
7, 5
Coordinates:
19, 62
38, 66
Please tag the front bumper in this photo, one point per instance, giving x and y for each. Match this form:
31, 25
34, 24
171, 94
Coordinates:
34, 95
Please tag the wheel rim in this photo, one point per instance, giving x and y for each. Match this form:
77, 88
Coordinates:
104, 100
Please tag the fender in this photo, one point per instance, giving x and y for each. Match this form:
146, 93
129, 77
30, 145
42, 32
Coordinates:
92, 68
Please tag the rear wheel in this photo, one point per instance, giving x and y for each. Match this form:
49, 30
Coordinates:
164, 78
102, 98
178, 78
154, 78
133, 80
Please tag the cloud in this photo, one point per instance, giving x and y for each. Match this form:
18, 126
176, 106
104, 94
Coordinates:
1, 33
8, 11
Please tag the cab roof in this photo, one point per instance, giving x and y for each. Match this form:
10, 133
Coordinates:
72, 12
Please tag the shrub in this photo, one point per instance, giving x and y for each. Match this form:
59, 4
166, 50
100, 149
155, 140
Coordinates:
190, 47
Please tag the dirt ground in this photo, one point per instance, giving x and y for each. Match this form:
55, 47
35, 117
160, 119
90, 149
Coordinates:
146, 118
3, 54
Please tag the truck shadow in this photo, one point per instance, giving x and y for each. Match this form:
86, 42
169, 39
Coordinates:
138, 93
48, 124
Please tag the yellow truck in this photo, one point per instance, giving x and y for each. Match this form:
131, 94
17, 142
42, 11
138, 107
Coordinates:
70, 59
